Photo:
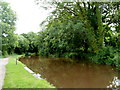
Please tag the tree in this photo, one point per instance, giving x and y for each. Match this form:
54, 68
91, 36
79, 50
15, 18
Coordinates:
7, 27
90, 19
32, 38
23, 45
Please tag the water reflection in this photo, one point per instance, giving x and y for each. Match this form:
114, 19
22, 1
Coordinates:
73, 75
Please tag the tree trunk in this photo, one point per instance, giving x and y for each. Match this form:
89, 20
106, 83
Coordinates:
100, 31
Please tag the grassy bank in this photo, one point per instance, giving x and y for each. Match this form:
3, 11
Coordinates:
18, 77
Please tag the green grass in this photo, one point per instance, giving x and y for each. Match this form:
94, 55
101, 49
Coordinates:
18, 77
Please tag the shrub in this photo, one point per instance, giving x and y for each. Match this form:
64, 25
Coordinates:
108, 55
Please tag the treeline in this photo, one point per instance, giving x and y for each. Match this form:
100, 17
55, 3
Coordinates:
10, 42
27, 43
7, 28
73, 30
83, 29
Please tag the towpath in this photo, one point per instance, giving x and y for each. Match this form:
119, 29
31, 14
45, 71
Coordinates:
3, 62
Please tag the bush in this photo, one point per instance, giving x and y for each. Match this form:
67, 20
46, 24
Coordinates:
70, 55
116, 60
108, 55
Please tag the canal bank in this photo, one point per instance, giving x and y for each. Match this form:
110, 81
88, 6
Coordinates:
18, 77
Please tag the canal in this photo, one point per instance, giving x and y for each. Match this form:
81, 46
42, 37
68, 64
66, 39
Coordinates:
64, 74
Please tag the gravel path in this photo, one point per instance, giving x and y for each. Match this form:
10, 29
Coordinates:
3, 62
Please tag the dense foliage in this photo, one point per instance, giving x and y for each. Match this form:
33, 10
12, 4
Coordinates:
73, 30
83, 29
7, 28
27, 43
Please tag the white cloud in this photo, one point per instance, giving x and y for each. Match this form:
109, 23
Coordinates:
29, 15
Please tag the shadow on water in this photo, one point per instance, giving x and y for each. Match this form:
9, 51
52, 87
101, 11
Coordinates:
64, 74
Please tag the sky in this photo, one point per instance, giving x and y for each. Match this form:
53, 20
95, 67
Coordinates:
29, 15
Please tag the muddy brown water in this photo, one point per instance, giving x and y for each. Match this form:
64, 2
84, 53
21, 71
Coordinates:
64, 74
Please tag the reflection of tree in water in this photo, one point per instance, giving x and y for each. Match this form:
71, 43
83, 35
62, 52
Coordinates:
115, 83
64, 74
